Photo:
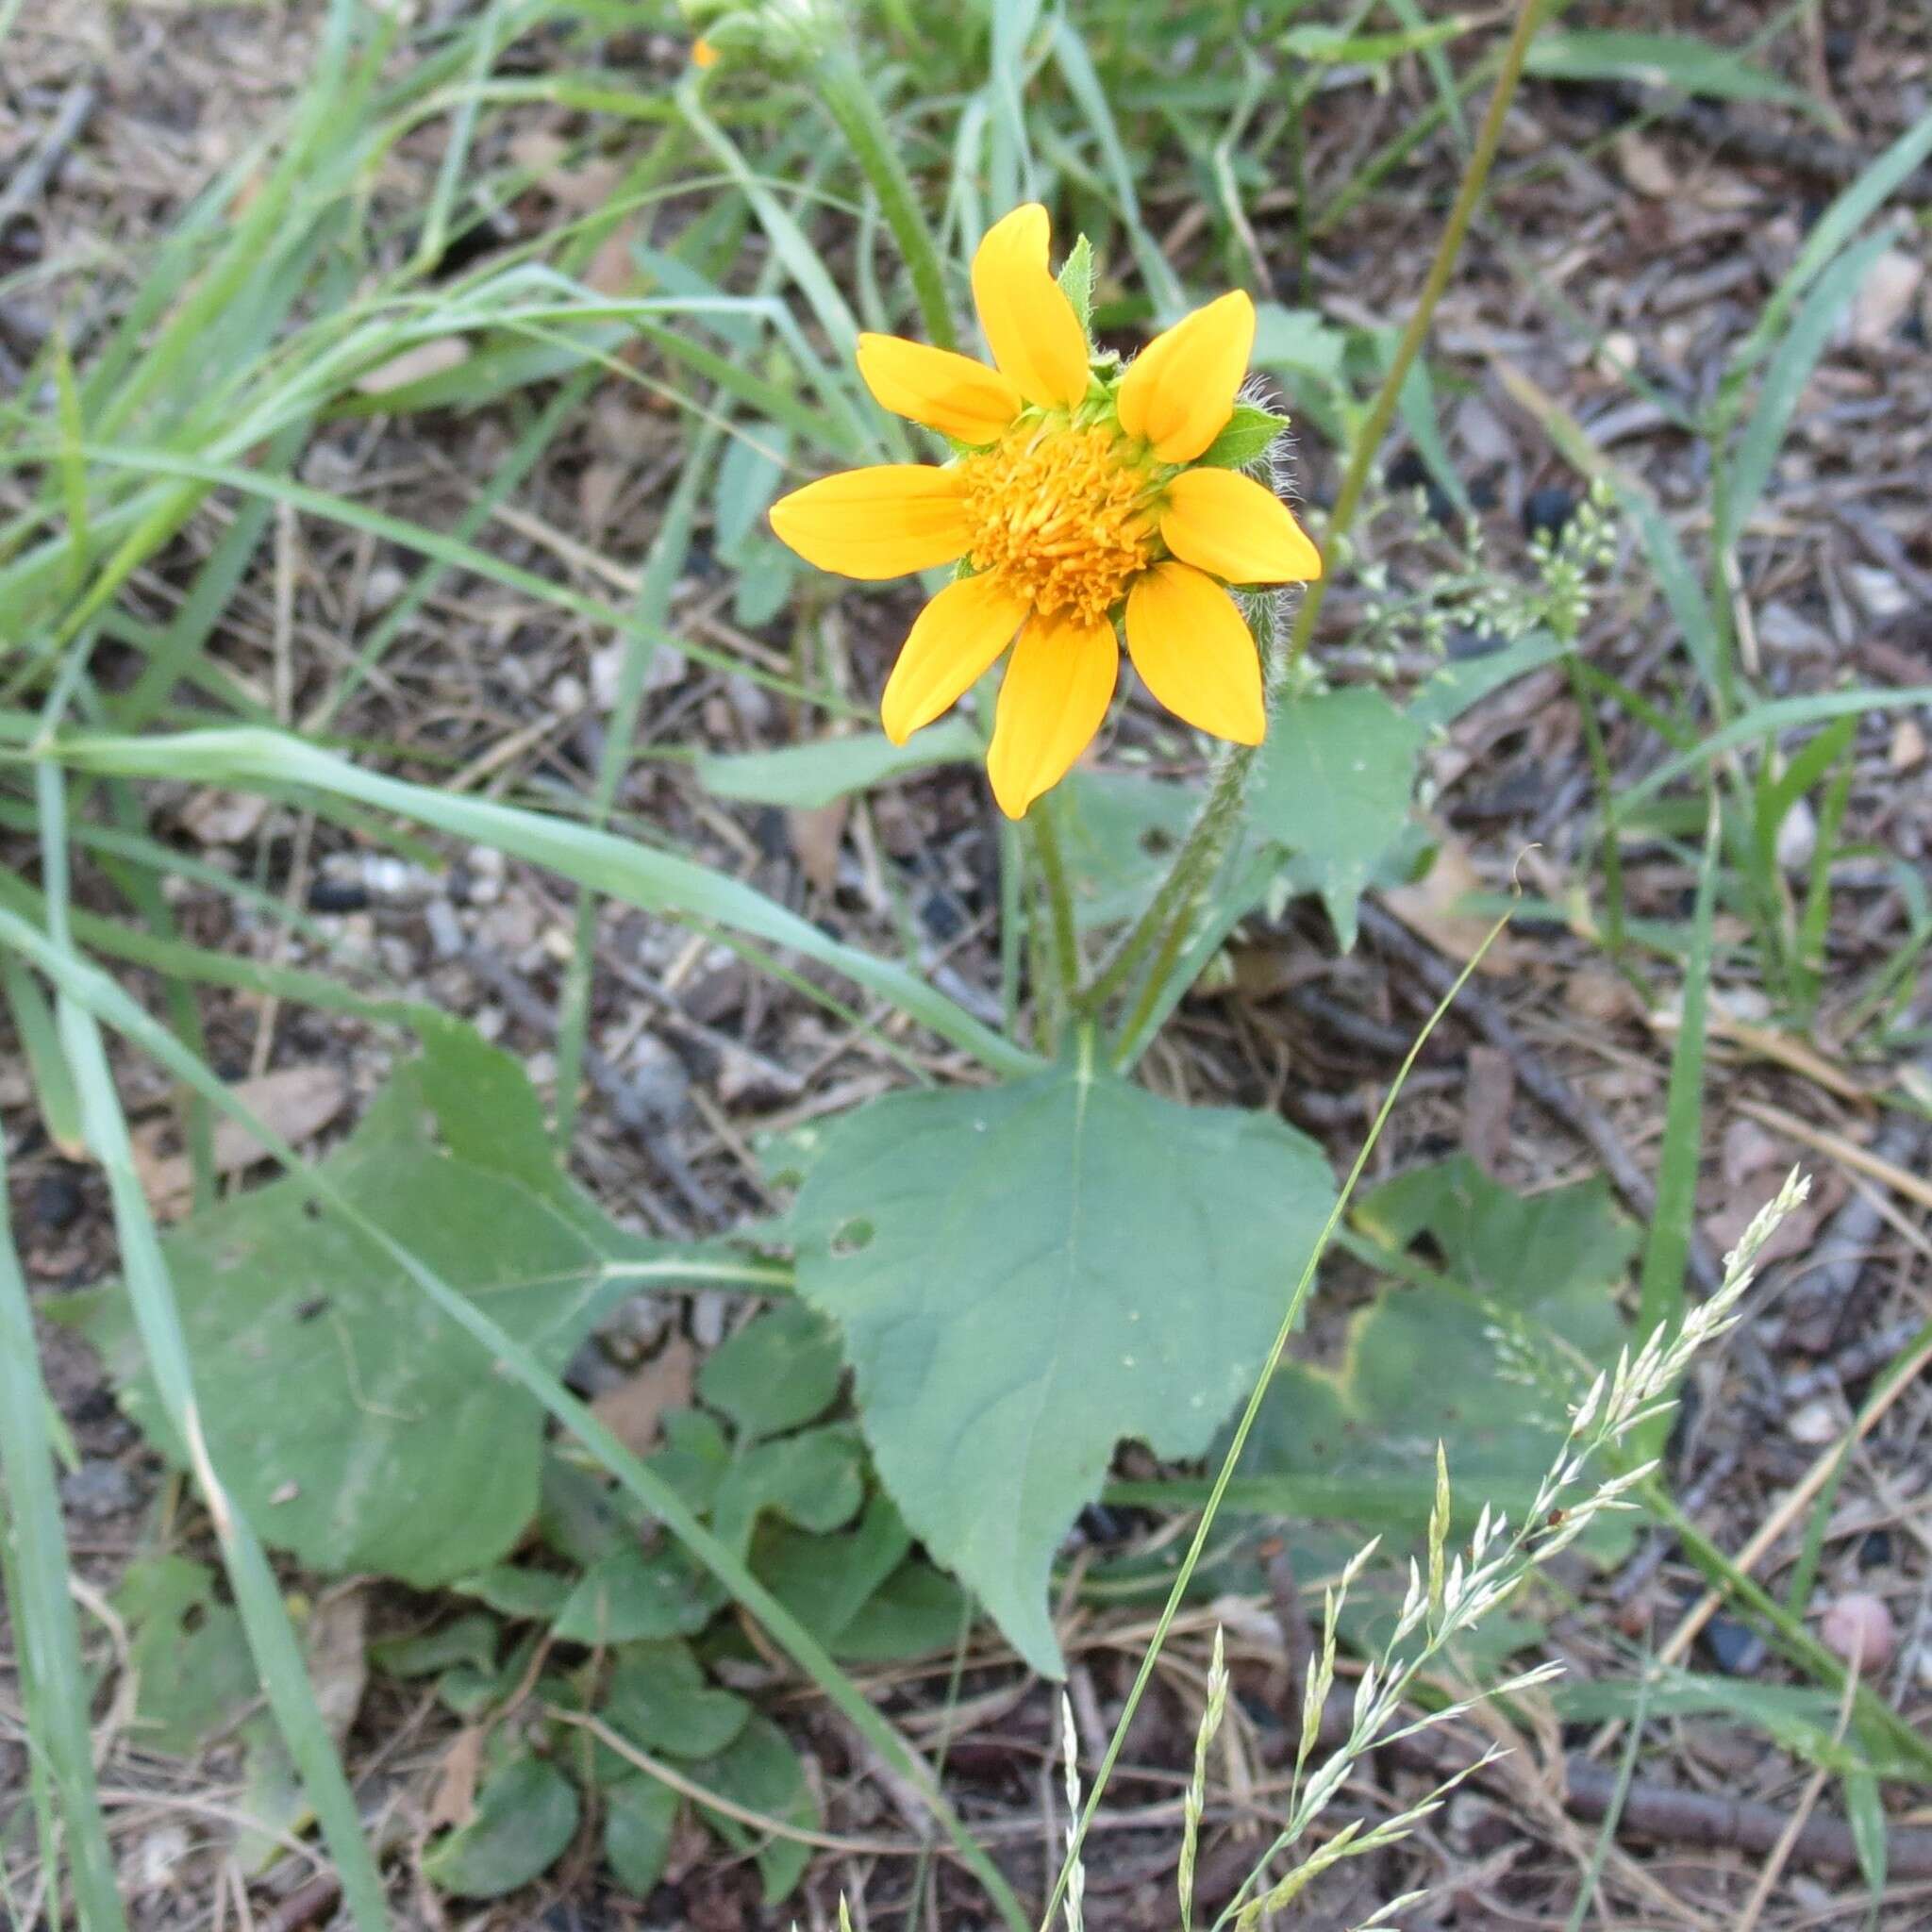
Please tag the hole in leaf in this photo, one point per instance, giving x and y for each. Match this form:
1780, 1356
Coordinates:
851, 1237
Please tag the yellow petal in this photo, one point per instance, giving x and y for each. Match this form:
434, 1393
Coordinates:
1178, 392
878, 523
1030, 325
1228, 524
955, 639
1194, 652
1053, 699
951, 393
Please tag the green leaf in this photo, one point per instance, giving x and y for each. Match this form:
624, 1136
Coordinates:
1077, 281
762, 1772
189, 1661
1682, 61
640, 1815
1298, 344
1785, 377
917, 1611
525, 1815
1026, 1273
814, 1480
1482, 1357
1120, 830
809, 775
1865, 1809
1335, 778
352, 1416
513, 1590
1798, 1718
694, 1459
470, 1639
1451, 689
825, 1580
658, 1700
749, 473
1331, 46
781, 1369
1248, 436
631, 1595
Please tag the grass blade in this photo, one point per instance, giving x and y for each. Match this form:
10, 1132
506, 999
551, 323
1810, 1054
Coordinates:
661, 882
57, 1690
1667, 1245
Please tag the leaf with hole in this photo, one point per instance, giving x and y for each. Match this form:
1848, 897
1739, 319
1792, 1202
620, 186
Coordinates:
189, 1660
1026, 1275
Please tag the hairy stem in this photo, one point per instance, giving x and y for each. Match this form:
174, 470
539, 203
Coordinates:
851, 104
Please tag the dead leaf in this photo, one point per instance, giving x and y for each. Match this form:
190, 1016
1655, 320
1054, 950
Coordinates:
1908, 746
338, 1661
296, 1102
817, 834
1602, 997
1748, 1149
1884, 297
1431, 906
634, 1408
1645, 167
1724, 1226
415, 364
454, 1799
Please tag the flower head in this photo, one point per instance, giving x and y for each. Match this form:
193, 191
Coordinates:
1076, 501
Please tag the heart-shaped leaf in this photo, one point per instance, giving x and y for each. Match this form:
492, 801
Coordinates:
1026, 1275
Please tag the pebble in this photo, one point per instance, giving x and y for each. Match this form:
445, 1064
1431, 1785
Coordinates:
445, 929
1859, 1628
1548, 510
1814, 1423
57, 1199
98, 1488
1736, 1648
385, 586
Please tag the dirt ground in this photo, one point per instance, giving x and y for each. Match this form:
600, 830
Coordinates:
1669, 238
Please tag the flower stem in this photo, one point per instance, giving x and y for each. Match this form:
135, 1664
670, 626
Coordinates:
1170, 911
851, 104
1164, 925
1053, 873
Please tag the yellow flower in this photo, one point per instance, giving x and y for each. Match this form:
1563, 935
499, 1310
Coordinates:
703, 53
1077, 500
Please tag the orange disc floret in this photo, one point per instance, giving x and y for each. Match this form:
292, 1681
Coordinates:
1061, 516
